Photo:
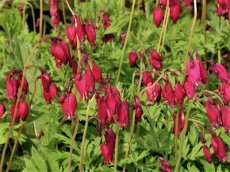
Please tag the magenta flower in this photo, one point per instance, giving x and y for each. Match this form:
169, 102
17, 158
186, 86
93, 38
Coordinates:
212, 112
179, 93
90, 30
96, 72
219, 148
22, 111
2, 110
68, 104
122, 115
220, 71
207, 154
168, 93
158, 16
155, 60
133, 56
225, 117
175, 11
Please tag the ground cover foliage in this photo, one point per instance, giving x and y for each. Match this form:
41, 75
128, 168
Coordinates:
114, 85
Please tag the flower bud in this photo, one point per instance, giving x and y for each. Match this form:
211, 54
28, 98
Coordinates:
50, 93
212, 112
207, 154
46, 80
80, 28
225, 117
68, 104
165, 166
90, 30
102, 109
225, 90
158, 16
113, 100
133, 56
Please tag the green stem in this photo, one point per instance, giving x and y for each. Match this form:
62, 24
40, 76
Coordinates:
133, 119
84, 134
116, 149
182, 138
126, 40
163, 27
33, 16
63, 11
203, 17
191, 32
72, 144
176, 132
14, 147
40, 26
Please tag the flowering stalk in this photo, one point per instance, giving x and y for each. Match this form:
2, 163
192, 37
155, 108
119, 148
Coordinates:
40, 25
176, 132
191, 32
15, 146
203, 17
72, 144
126, 40
20, 131
63, 11
16, 106
133, 120
84, 134
163, 26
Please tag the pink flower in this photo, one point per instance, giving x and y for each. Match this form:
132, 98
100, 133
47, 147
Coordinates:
137, 108
80, 28
220, 71
188, 3
175, 11
196, 71
55, 18
133, 56
153, 92
12, 86
155, 60
122, 115
46, 80
107, 152
90, 30
225, 90
225, 117
168, 93
22, 111
147, 78
69, 104
71, 34
189, 88
110, 137
96, 72
103, 116
207, 154
219, 148
212, 112
158, 16
51, 93
113, 100
165, 166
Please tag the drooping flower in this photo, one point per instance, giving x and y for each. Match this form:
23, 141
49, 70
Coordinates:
207, 154
55, 18
137, 108
22, 111
68, 104
133, 56
164, 165
220, 71
90, 30
212, 112
11, 88
158, 16
168, 93
219, 148
122, 115
175, 11
155, 60
71, 34
225, 90
153, 92
147, 78
189, 88
96, 72
50, 94
225, 117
